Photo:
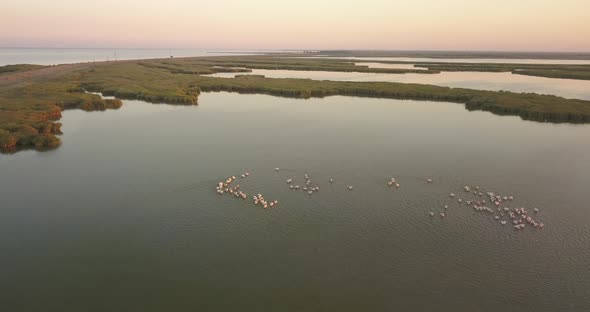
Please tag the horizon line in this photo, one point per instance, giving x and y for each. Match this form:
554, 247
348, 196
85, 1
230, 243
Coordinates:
299, 49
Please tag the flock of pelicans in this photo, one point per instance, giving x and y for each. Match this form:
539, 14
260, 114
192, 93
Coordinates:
518, 217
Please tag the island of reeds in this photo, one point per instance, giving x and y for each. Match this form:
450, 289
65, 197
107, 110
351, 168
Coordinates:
32, 97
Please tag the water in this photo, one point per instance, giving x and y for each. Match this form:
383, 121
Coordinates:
385, 65
56, 56
568, 88
124, 216
466, 60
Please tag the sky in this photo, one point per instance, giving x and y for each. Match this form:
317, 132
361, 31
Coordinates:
476, 25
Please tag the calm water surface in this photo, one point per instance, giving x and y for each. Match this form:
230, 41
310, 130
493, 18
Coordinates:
384, 65
568, 88
56, 56
466, 60
124, 216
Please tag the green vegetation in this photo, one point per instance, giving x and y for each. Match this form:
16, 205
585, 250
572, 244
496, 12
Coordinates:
555, 73
29, 107
541, 70
456, 54
18, 68
249, 76
529, 106
28, 114
566, 71
195, 69
279, 62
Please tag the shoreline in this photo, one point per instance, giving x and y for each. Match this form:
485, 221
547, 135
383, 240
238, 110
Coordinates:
419, 54
31, 101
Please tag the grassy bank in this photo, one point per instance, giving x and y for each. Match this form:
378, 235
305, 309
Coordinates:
18, 68
528, 106
580, 72
28, 114
457, 54
29, 109
303, 64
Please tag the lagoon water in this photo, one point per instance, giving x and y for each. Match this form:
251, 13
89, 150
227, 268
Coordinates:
568, 88
466, 60
124, 215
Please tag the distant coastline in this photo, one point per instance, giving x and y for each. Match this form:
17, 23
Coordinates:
32, 97
461, 54
56, 56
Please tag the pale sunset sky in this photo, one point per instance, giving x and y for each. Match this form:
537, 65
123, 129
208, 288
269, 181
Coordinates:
523, 25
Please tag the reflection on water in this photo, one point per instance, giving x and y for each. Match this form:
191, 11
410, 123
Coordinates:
568, 88
53, 56
464, 60
126, 208
381, 65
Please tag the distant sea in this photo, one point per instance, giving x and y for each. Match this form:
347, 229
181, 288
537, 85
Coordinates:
54, 56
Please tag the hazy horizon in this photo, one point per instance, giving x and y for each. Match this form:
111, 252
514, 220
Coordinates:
288, 49
424, 25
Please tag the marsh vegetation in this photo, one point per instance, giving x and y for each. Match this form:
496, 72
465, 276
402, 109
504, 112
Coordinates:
31, 105
18, 68
581, 72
